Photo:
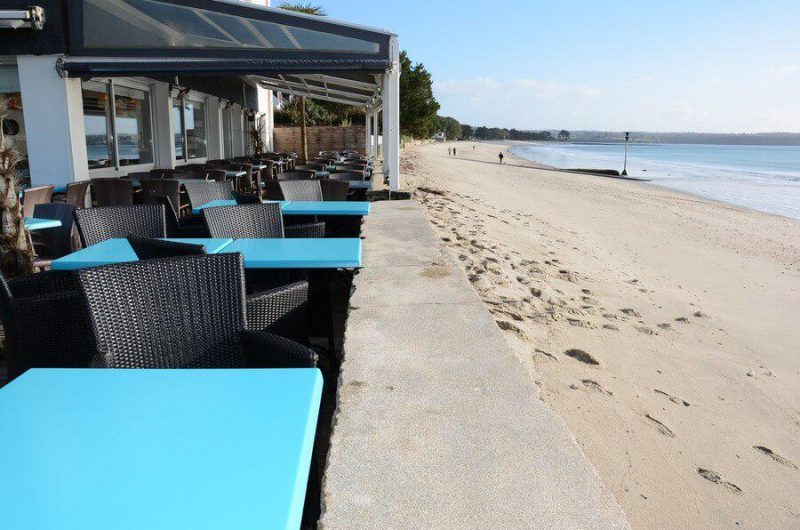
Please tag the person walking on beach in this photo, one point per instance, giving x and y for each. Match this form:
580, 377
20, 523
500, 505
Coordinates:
500, 156
454, 151
449, 151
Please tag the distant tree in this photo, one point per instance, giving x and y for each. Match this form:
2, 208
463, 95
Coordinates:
482, 133
418, 107
307, 9
563, 135
451, 127
467, 132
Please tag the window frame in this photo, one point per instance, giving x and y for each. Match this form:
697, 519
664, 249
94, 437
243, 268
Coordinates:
193, 97
116, 169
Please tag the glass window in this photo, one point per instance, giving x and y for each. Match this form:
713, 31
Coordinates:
132, 126
120, 134
14, 124
189, 129
195, 123
96, 121
177, 128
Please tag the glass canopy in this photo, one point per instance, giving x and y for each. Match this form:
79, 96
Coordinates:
212, 28
283, 51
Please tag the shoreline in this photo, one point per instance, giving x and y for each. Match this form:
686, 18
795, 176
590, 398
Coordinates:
524, 162
652, 321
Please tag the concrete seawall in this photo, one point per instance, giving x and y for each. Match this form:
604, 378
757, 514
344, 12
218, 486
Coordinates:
438, 424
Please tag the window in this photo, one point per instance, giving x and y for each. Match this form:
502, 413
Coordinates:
13, 124
120, 134
132, 126
227, 138
189, 129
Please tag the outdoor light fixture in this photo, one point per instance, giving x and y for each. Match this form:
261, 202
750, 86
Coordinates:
31, 17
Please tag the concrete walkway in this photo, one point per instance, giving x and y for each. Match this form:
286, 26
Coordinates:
438, 424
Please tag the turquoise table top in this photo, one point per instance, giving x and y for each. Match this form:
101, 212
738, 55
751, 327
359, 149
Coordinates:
231, 173
157, 449
225, 202
326, 208
120, 251
298, 253
302, 207
33, 223
214, 204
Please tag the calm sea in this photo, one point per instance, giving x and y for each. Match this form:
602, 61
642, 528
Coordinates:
765, 178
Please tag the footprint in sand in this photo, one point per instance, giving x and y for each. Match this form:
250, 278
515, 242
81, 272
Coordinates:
713, 476
682, 320
775, 456
547, 354
660, 427
631, 312
582, 356
611, 327
665, 326
671, 397
594, 386
645, 330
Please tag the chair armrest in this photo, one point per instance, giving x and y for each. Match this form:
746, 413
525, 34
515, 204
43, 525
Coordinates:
265, 350
43, 283
282, 311
307, 230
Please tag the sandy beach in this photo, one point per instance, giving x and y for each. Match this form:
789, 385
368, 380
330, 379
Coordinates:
663, 328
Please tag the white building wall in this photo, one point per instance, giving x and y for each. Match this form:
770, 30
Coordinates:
53, 112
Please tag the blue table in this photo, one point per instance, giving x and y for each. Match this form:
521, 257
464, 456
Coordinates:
157, 449
301, 253
120, 251
234, 174
33, 223
214, 204
360, 208
225, 202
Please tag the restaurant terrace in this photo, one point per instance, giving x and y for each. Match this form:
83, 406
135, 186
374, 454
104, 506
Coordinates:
214, 334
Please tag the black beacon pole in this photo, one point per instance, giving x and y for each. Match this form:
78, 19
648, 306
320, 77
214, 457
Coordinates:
625, 165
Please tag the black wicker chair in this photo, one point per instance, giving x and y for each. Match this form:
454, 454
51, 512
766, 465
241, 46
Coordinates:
334, 190
169, 187
187, 226
247, 198
255, 221
152, 248
281, 310
55, 242
112, 191
187, 312
45, 322
301, 190
297, 175
205, 191
75, 194
98, 224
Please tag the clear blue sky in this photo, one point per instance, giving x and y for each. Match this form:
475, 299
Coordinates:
709, 65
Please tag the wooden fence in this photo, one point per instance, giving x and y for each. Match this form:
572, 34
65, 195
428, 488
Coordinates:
322, 138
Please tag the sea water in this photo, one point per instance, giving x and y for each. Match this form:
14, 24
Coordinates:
762, 177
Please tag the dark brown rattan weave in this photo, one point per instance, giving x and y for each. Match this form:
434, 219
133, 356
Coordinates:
98, 224
112, 192
184, 312
45, 322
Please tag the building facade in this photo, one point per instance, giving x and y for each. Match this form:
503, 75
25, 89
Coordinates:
85, 102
